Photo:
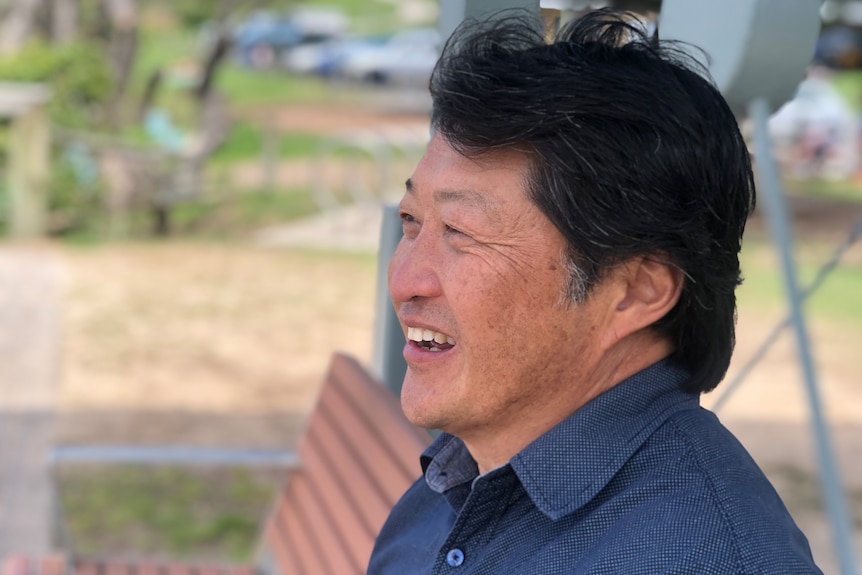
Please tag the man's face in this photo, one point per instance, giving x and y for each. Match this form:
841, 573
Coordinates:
480, 272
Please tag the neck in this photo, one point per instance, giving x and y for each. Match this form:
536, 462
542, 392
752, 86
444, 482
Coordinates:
494, 445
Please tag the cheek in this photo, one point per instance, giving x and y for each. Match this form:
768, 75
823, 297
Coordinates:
505, 303
509, 321
534, 320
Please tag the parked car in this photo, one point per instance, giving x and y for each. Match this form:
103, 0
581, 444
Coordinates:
319, 23
325, 58
405, 59
264, 37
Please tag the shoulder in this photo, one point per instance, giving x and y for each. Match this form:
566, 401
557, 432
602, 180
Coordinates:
704, 493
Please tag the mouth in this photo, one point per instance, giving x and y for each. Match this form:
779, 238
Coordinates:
430, 340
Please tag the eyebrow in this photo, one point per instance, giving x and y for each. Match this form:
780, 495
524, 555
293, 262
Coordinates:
470, 197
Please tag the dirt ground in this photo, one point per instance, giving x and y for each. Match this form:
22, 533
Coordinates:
226, 344
208, 344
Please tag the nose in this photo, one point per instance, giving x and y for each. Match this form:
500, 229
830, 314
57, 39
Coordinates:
413, 271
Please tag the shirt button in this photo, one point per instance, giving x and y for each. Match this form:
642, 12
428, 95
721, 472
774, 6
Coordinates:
455, 558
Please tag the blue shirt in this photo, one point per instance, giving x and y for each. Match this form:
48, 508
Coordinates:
641, 480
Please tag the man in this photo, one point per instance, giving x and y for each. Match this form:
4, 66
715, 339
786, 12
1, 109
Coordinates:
566, 284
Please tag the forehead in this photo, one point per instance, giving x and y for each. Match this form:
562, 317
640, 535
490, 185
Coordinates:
446, 176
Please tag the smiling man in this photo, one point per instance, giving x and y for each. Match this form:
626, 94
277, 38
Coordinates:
566, 285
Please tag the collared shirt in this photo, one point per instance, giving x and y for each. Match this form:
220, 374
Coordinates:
641, 480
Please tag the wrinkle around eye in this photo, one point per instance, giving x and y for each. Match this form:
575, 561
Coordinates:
458, 238
509, 259
449, 230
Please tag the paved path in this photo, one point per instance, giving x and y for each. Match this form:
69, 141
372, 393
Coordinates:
29, 364
350, 228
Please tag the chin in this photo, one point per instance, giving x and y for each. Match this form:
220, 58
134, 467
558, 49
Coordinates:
419, 413
420, 404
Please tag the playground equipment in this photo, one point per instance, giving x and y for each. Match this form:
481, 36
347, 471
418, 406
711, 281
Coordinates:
759, 51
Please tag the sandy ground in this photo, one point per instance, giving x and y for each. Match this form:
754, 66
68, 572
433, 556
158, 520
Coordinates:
216, 342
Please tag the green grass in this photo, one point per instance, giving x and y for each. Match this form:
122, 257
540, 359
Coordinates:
226, 217
839, 298
268, 207
246, 142
245, 87
242, 212
357, 9
182, 513
161, 49
366, 16
169, 50
849, 84
845, 190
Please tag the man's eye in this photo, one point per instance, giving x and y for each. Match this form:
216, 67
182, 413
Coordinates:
407, 219
409, 225
455, 233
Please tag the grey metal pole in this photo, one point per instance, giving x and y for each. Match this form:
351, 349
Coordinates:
778, 219
729, 388
388, 364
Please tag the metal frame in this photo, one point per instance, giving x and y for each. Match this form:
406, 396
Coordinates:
779, 222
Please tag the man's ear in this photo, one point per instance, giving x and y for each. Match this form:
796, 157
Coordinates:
648, 290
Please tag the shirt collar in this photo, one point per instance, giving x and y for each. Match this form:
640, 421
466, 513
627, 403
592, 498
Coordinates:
447, 463
566, 467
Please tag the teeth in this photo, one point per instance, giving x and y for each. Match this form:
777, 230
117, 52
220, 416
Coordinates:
419, 334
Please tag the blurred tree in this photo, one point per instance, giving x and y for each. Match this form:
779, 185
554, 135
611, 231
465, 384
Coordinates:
221, 42
40, 43
49, 41
195, 13
64, 21
212, 116
17, 22
122, 18
86, 51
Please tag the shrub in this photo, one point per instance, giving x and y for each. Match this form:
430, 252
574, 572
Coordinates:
77, 75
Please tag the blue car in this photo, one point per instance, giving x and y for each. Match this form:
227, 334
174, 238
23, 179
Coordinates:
260, 40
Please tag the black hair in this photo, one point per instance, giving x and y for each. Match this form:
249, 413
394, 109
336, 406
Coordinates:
633, 150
